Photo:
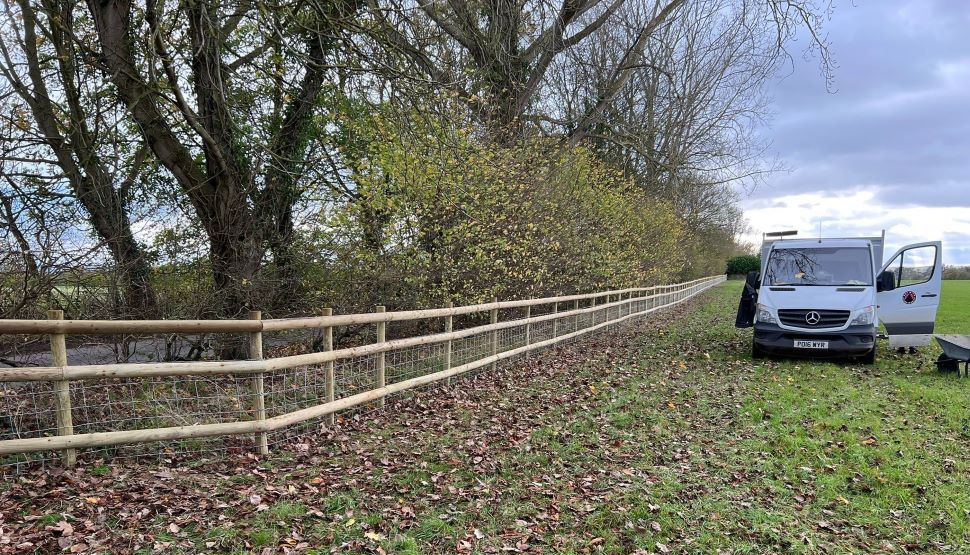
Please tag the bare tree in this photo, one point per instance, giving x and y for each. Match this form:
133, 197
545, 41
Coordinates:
684, 124
495, 54
225, 98
37, 252
696, 95
498, 55
72, 123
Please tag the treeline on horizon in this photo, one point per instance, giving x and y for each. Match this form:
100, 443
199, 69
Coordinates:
956, 272
200, 159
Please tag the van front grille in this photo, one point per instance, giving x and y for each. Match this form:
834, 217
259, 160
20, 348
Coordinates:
799, 318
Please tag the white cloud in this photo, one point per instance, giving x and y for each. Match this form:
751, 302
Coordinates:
858, 212
888, 150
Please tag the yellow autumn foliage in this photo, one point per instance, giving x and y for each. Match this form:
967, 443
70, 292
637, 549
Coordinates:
441, 216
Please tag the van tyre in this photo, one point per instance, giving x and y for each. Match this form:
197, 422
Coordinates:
869, 358
756, 352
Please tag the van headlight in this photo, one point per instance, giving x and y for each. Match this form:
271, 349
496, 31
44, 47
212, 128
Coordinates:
864, 317
764, 314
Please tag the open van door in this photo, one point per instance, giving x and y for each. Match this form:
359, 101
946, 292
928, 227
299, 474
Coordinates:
908, 293
749, 301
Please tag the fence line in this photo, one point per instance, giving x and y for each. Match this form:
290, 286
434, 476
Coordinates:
630, 303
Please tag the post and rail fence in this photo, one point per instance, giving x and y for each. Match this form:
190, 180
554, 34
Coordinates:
75, 407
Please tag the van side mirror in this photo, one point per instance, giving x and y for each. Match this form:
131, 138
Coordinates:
752, 280
885, 282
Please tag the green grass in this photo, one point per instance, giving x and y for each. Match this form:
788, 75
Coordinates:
690, 445
721, 453
954, 313
660, 438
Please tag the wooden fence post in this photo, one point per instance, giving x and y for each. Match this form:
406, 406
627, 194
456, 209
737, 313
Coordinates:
259, 395
576, 307
555, 321
61, 374
493, 318
449, 327
329, 366
528, 329
381, 337
62, 391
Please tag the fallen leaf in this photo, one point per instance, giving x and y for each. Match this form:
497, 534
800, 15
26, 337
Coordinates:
64, 527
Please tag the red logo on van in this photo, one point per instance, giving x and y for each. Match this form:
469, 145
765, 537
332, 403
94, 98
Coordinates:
909, 297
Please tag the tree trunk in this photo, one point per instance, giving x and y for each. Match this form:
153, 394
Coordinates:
219, 194
75, 150
242, 214
290, 143
235, 263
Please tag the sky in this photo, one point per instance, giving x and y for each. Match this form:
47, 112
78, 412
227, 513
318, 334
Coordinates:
886, 146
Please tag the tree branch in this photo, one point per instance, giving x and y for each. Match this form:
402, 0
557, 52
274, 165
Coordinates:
621, 74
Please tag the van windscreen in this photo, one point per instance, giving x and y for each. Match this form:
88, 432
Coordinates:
819, 266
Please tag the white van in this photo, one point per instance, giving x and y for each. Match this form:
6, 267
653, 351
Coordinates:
827, 297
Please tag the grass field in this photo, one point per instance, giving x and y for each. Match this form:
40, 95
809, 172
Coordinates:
954, 314
661, 438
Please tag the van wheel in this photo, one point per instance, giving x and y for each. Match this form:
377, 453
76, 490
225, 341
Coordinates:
756, 352
869, 358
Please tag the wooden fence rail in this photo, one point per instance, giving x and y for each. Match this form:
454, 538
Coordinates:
602, 311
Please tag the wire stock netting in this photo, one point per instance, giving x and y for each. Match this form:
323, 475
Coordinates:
28, 410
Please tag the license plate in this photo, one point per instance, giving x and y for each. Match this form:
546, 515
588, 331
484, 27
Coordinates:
802, 344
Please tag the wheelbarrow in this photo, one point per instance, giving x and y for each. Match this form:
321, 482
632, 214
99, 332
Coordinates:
956, 349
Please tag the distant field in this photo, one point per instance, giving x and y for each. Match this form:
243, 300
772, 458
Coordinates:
954, 314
